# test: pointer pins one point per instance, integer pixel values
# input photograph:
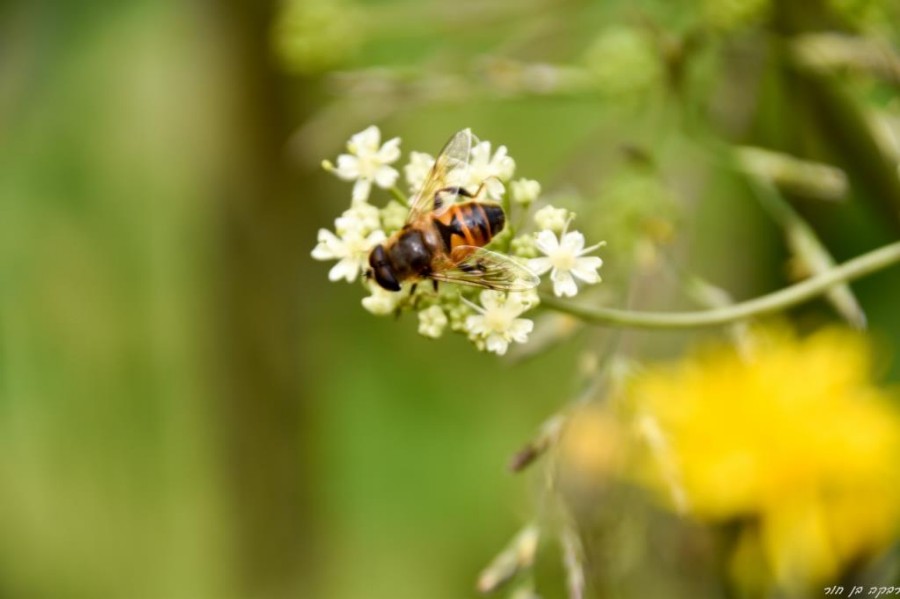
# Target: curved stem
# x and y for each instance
(780, 300)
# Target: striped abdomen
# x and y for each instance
(470, 223)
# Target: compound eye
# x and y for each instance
(377, 258)
(385, 277)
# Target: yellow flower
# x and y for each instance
(794, 441)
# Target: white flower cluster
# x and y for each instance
(491, 319)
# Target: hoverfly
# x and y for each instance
(443, 238)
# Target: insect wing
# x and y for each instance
(451, 169)
(484, 268)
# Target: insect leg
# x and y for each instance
(481, 187)
(439, 202)
(415, 298)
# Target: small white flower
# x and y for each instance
(432, 322)
(382, 301)
(524, 191)
(367, 162)
(351, 250)
(564, 258)
(551, 218)
(393, 216)
(361, 217)
(419, 166)
(497, 322)
(487, 169)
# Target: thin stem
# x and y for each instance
(780, 300)
(399, 195)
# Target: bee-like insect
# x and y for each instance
(443, 239)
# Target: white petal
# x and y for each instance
(323, 252)
(361, 219)
(381, 302)
(503, 165)
(346, 269)
(390, 151)
(526, 300)
(520, 328)
(480, 154)
(385, 177)
(326, 236)
(497, 344)
(417, 169)
(546, 242)
(330, 247)
(494, 188)
(361, 190)
(366, 141)
(475, 325)
(491, 300)
(586, 269)
(563, 283)
(573, 241)
(539, 266)
(374, 238)
(347, 167)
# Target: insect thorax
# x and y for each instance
(410, 254)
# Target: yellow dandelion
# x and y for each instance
(794, 441)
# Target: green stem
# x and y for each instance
(780, 300)
(399, 195)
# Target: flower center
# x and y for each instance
(562, 259)
(368, 164)
(497, 320)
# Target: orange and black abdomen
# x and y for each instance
(470, 223)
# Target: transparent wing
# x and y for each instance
(478, 267)
(450, 170)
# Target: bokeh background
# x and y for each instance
(189, 409)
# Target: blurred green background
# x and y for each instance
(189, 409)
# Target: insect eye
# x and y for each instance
(377, 258)
(385, 277)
